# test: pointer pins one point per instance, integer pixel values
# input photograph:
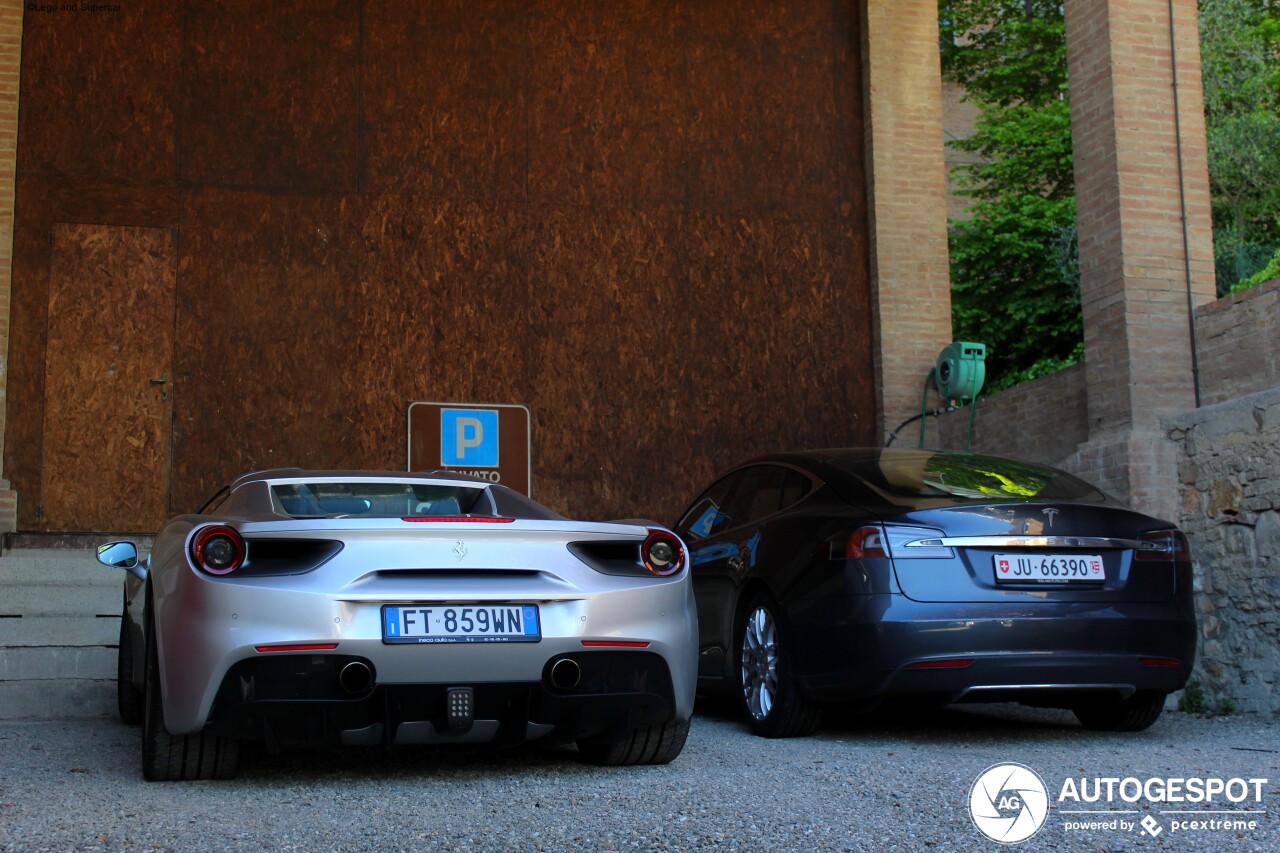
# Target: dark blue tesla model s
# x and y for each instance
(860, 575)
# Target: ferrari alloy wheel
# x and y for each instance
(128, 698)
(658, 744)
(1134, 714)
(178, 758)
(770, 695)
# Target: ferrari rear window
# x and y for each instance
(378, 500)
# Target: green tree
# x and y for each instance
(1240, 62)
(1014, 272)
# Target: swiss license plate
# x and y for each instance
(453, 623)
(1048, 568)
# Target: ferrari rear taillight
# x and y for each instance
(662, 553)
(1163, 545)
(218, 550)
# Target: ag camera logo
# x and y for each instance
(1008, 803)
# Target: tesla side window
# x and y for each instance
(706, 516)
(758, 494)
(795, 486)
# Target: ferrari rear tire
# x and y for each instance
(179, 758)
(128, 697)
(1134, 714)
(658, 744)
(768, 689)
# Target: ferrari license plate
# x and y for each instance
(1048, 568)
(471, 623)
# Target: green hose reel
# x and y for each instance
(960, 371)
(958, 374)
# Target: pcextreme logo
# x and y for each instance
(1009, 803)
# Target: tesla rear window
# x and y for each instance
(966, 477)
(378, 500)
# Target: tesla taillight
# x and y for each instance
(218, 550)
(662, 553)
(866, 542)
(1163, 545)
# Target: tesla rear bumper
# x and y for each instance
(965, 652)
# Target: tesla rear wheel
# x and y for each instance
(768, 688)
(1134, 714)
(658, 744)
(178, 758)
(128, 697)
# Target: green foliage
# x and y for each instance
(1240, 62)
(1014, 270)
(1192, 700)
(1270, 271)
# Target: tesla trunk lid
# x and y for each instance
(1026, 552)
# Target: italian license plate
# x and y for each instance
(450, 623)
(1048, 568)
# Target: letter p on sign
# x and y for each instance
(469, 438)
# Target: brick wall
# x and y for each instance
(1238, 340)
(1040, 421)
(911, 288)
(10, 63)
(1140, 165)
(1229, 477)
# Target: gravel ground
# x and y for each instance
(871, 784)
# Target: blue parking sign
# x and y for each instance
(469, 437)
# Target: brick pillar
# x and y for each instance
(907, 190)
(1133, 183)
(10, 66)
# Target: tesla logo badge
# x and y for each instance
(1049, 514)
(460, 549)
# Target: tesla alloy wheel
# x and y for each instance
(769, 691)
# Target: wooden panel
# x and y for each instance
(29, 306)
(762, 89)
(444, 314)
(99, 91)
(780, 313)
(444, 101)
(106, 431)
(609, 110)
(614, 360)
(266, 360)
(270, 97)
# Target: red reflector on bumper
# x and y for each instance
(299, 647)
(953, 663)
(1160, 662)
(615, 644)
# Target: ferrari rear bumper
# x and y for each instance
(302, 700)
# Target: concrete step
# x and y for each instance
(57, 662)
(85, 630)
(59, 625)
(24, 699)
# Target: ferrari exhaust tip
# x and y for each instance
(356, 678)
(565, 674)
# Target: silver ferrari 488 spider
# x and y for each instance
(303, 608)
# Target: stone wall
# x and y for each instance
(1229, 475)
